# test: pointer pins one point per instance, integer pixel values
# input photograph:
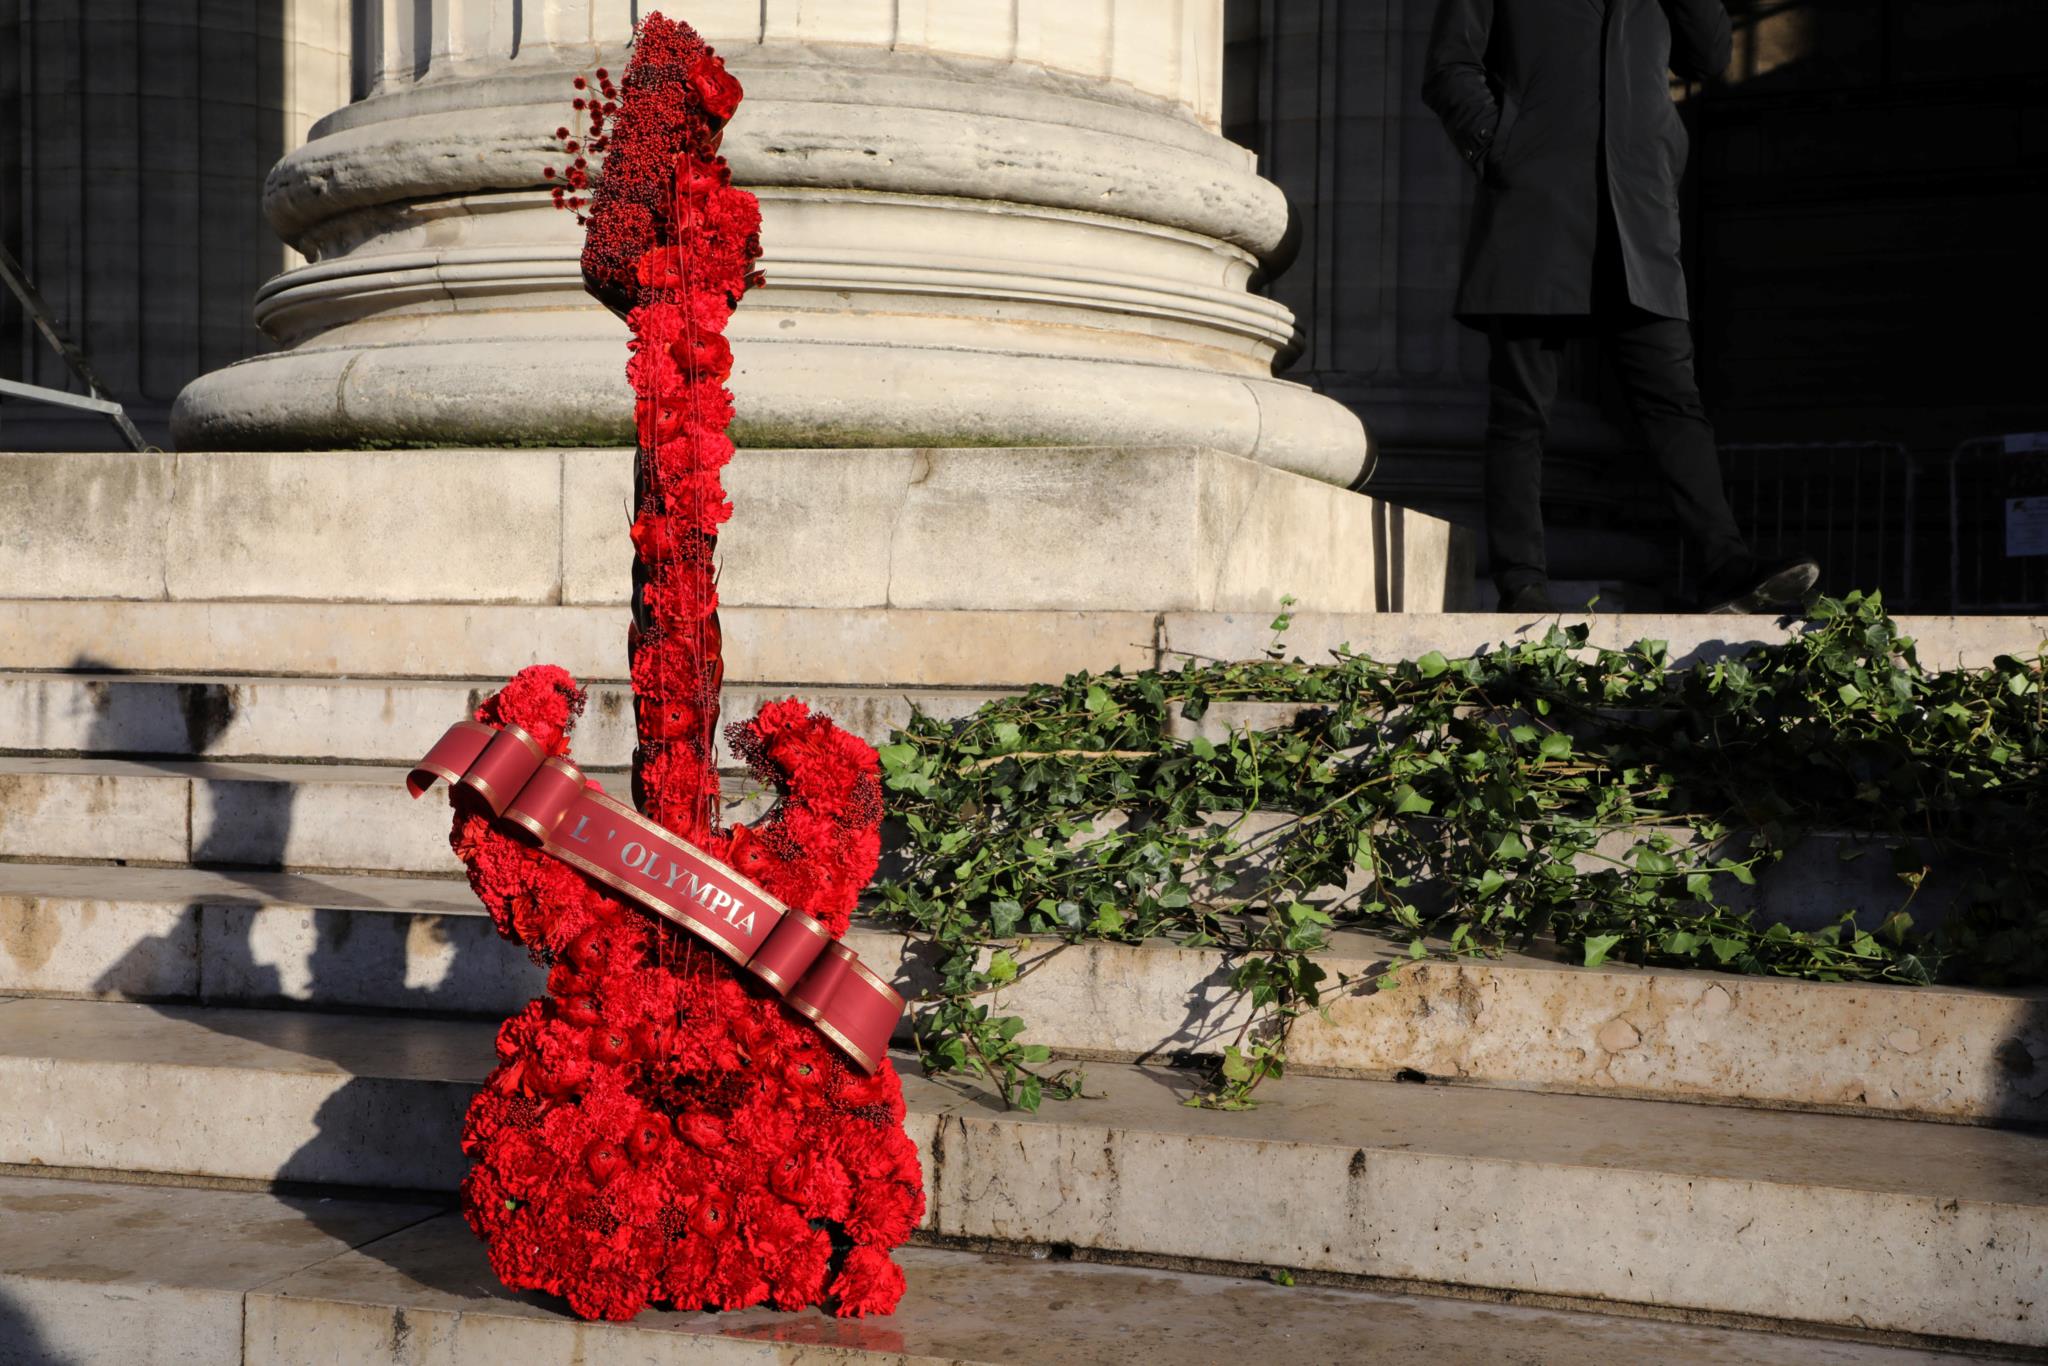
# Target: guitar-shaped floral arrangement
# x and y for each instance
(700, 1112)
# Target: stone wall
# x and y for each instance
(131, 180)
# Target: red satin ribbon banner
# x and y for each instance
(546, 802)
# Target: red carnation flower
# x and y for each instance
(869, 1283)
(716, 87)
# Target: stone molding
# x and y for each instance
(961, 251)
(910, 123)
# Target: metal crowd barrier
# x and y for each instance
(1855, 505)
(1998, 524)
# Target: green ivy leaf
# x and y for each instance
(1597, 946)
(1003, 917)
(1653, 861)
(1681, 943)
(1739, 871)
(1409, 802)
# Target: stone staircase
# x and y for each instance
(244, 998)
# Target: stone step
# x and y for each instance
(829, 647)
(332, 940)
(1524, 1020)
(357, 817)
(235, 1276)
(363, 721)
(1871, 1224)
(327, 817)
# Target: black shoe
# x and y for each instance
(1530, 597)
(1778, 586)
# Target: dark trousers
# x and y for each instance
(1652, 357)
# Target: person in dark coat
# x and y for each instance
(1563, 109)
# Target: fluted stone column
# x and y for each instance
(987, 223)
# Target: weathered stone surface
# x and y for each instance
(453, 961)
(285, 1095)
(145, 949)
(262, 815)
(793, 647)
(188, 716)
(1530, 1022)
(797, 647)
(1044, 230)
(1522, 1021)
(1934, 1229)
(1186, 528)
(322, 817)
(155, 1275)
(390, 526)
(387, 721)
(59, 809)
(255, 938)
(411, 640)
(106, 538)
(963, 1307)
(93, 1271)
(1668, 1205)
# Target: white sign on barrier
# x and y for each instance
(2026, 526)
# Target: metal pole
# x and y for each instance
(16, 280)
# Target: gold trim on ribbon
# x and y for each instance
(448, 776)
(872, 978)
(486, 791)
(526, 822)
(846, 1045)
(525, 737)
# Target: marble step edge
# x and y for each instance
(1937, 1230)
(274, 1280)
(795, 646)
(1521, 1021)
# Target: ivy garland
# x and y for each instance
(1542, 789)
